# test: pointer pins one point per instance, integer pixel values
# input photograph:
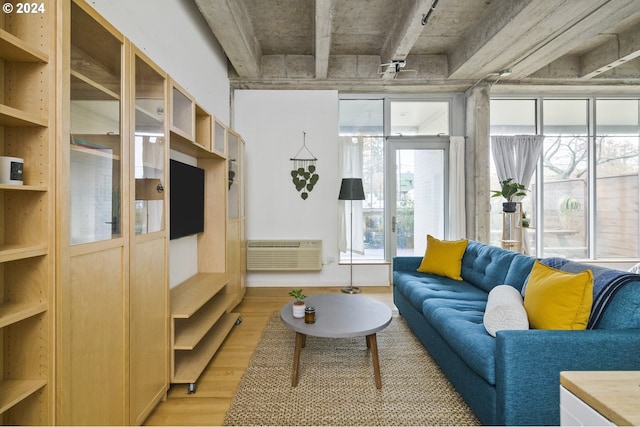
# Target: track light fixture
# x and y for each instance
(425, 17)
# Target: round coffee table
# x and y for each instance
(339, 316)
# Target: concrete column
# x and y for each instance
(477, 152)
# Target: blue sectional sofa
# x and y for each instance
(512, 379)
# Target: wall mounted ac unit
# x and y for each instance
(284, 255)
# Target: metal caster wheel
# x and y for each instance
(191, 388)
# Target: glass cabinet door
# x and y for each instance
(234, 174)
(149, 148)
(96, 143)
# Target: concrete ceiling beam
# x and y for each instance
(324, 19)
(593, 23)
(501, 25)
(404, 34)
(525, 35)
(619, 49)
(230, 24)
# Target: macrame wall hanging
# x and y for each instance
(304, 172)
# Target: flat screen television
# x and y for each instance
(186, 204)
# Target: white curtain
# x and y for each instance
(350, 166)
(516, 156)
(457, 212)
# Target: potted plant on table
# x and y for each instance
(509, 190)
(298, 305)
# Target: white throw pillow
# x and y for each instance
(505, 310)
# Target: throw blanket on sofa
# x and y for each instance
(606, 282)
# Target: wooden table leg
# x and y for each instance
(300, 342)
(372, 344)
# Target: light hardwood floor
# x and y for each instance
(219, 381)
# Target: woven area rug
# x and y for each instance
(336, 384)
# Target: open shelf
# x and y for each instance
(16, 50)
(199, 323)
(13, 392)
(14, 252)
(189, 296)
(11, 187)
(188, 334)
(11, 313)
(188, 365)
(10, 116)
(27, 124)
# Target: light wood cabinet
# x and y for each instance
(207, 317)
(85, 320)
(236, 242)
(148, 290)
(27, 131)
(219, 143)
(93, 222)
(183, 109)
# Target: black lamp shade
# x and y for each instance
(351, 189)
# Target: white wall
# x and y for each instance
(174, 35)
(272, 124)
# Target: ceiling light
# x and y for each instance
(505, 72)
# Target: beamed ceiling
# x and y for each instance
(427, 45)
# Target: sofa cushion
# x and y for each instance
(443, 257)
(416, 287)
(555, 299)
(505, 310)
(459, 323)
(488, 266)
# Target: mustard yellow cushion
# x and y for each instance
(443, 257)
(556, 299)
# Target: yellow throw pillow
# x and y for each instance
(556, 299)
(443, 257)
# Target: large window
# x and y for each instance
(366, 125)
(362, 156)
(586, 191)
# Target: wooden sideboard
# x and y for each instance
(614, 395)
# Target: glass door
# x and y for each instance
(149, 148)
(417, 196)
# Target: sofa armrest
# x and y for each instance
(528, 366)
(406, 263)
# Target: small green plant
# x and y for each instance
(568, 203)
(525, 219)
(509, 190)
(568, 208)
(297, 294)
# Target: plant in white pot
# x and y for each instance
(509, 189)
(298, 305)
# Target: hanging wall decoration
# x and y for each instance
(304, 173)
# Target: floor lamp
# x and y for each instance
(351, 189)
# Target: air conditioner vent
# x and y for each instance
(284, 255)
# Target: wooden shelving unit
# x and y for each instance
(27, 70)
(201, 307)
(199, 324)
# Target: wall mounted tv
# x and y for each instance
(186, 202)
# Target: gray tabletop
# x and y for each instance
(340, 316)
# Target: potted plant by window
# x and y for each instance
(509, 190)
(525, 220)
(298, 305)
